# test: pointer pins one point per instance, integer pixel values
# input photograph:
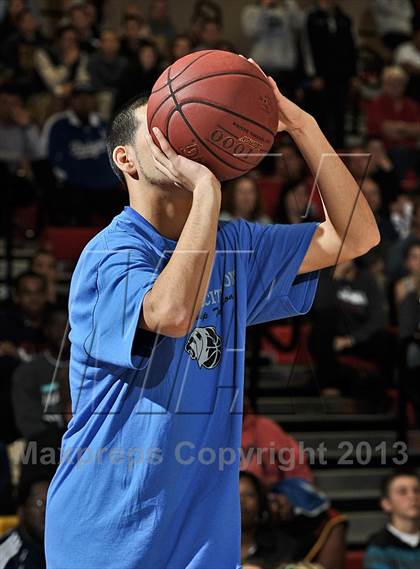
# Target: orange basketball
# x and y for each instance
(217, 108)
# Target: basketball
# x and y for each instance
(217, 108)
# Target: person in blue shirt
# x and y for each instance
(159, 304)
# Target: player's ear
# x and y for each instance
(123, 160)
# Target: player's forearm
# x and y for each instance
(346, 209)
(180, 289)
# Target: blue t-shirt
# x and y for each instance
(148, 477)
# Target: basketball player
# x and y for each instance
(159, 303)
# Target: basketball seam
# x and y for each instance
(183, 70)
(179, 109)
(211, 104)
(219, 74)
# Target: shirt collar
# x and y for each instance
(141, 224)
(411, 539)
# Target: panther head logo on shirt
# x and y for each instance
(204, 345)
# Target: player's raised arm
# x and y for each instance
(350, 229)
(173, 303)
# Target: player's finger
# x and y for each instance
(164, 144)
(256, 65)
(276, 90)
(165, 172)
(158, 155)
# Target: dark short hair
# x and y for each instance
(122, 128)
(29, 275)
(27, 481)
(388, 480)
(263, 507)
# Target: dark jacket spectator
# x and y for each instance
(398, 543)
(348, 319)
(329, 32)
(36, 385)
(141, 75)
(74, 142)
(18, 54)
(262, 544)
(106, 66)
(63, 64)
(23, 547)
(21, 336)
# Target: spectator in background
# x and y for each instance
(373, 195)
(82, 24)
(36, 385)
(63, 64)
(393, 20)
(397, 253)
(21, 335)
(407, 56)
(106, 67)
(8, 26)
(209, 35)
(74, 142)
(330, 31)
(262, 545)
(19, 137)
(44, 263)
(293, 205)
(398, 543)
(241, 199)
(381, 169)
(395, 118)
(22, 320)
(140, 76)
(204, 10)
(6, 491)
(161, 25)
(18, 53)
(349, 319)
(134, 31)
(273, 26)
(23, 547)
(296, 506)
(181, 46)
(407, 301)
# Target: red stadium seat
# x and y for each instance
(354, 560)
(66, 243)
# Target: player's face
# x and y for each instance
(143, 156)
(403, 498)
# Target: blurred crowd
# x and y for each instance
(62, 77)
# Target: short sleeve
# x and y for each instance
(274, 288)
(122, 280)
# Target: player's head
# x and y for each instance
(401, 495)
(128, 149)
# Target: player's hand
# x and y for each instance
(182, 172)
(291, 117)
